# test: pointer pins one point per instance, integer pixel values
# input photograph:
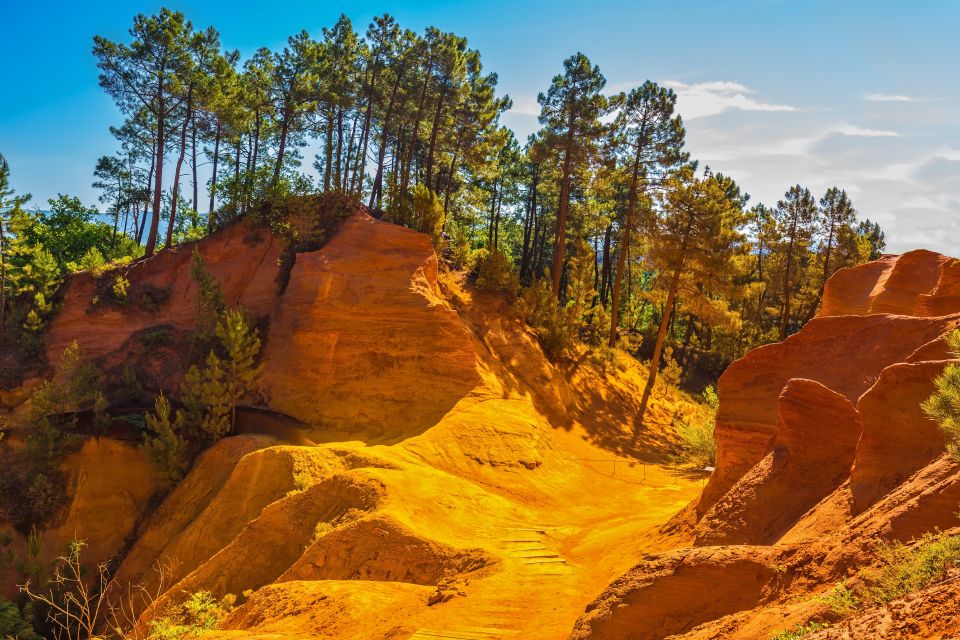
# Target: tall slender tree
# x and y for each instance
(649, 139)
(570, 114)
(147, 74)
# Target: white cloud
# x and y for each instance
(888, 97)
(847, 129)
(946, 153)
(711, 98)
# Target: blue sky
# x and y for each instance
(864, 95)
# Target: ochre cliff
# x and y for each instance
(416, 467)
(822, 452)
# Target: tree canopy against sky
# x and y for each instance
(410, 123)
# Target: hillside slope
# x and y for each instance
(441, 478)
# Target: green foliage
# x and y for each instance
(210, 303)
(697, 446)
(495, 272)
(210, 395)
(38, 489)
(120, 288)
(944, 405)
(427, 212)
(842, 600)
(800, 631)
(16, 624)
(458, 246)
(553, 324)
(200, 612)
(156, 336)
(909, 568)
(163, 443)
(91, 260)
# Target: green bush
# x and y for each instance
(427, 212)
(905, 569)
(15, 623)
(163, 444)
(944, 405)
(800, 631)
(199, 613)
(495, 272)
(554, 325)
(210, 395)
(842, 600)
(697, 446)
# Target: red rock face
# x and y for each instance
(918, 283)
(361, 328)
(898, 439)
(845, 354)
(795, 475)
(822, 451)
(241, 258)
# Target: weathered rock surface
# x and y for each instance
(843, 353)
(361, 328)
(822, 452)
(798, 472)
(898, 438)
(243, 259)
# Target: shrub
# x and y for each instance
(427, 212)
(156, 336)
(200, 612)
(210, 395)
(15, 623)
(458, 247)
(944, 405)
(800, 631)
(553, 324)
(210, 303)
(73, 600)
(495, 272)
(120, 288)
(39, 489)
(162, 442)
(905, 569)
(842, 601)
(697, 446)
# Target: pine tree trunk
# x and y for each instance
(284, 130)
(3, 280)
(193, 162)
(337, 174)
(328, 153)
(658, 346)
(155, 220)
(176, 175)
(428, 171)
(213, 178)
(560, 238)
(785, 313)
(624, 247)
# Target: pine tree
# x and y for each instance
(649, 138)
(795, 216)
(241, 344)
(570, 113)
(163, 443)
(693, 236)
(944, 405)
(145, 75)
(10, 204)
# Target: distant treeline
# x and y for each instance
(603, 205)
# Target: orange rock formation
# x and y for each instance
(822, 452)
